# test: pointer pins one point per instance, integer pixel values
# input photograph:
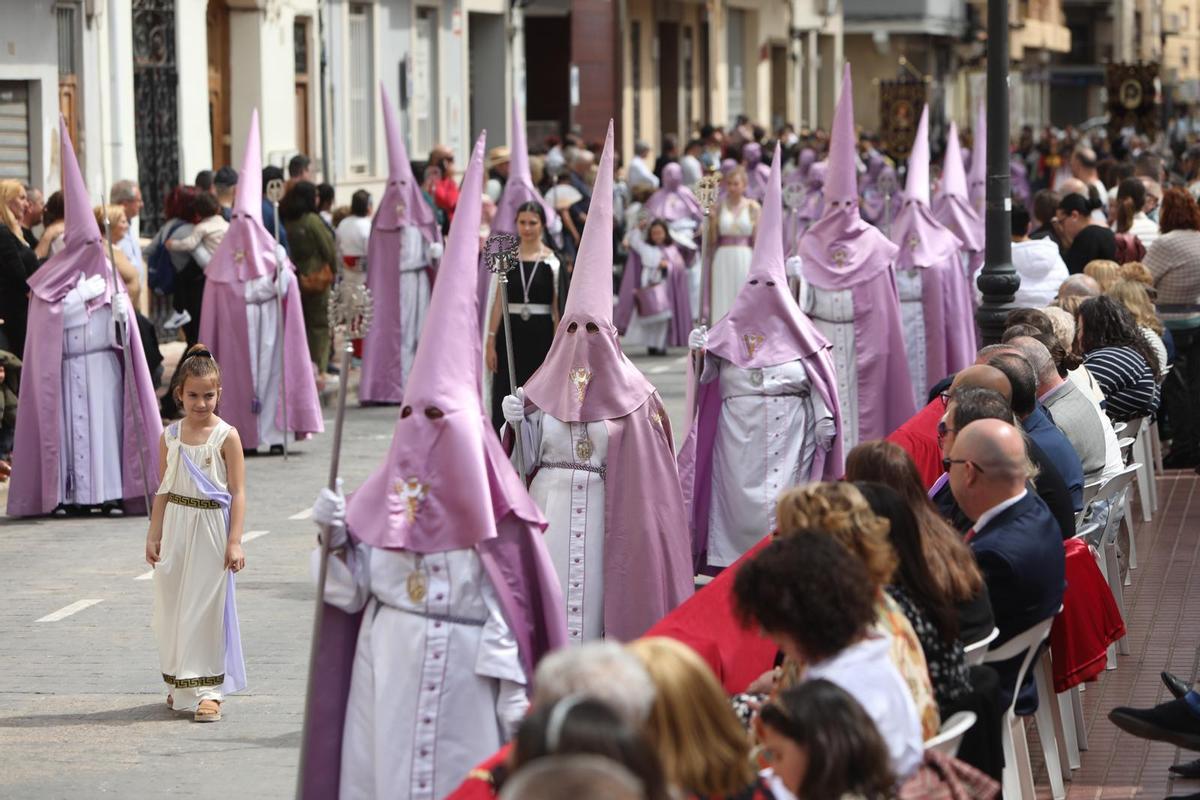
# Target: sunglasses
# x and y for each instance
(946, 462)
(943, 429)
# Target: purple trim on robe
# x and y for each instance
(223, 328)
(647, 562)
(333, 668)
(383, 375)
(34, 487)
(235, 664)
(677, 282)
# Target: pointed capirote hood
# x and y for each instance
(585, 376)
(519, 187)
(248, 250)
(841, 184)
(923, 241)
(249, 190)
(841, 249)
(402, 203)
(84, 247)
(977, 176)
(916, 184)
(673, 201)
(952, 204)
(765, 327)
(443, 485)
(954, 177)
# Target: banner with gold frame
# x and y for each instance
(900, 104)
(1132, 97)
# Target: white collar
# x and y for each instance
(996, 510)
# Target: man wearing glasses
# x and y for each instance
(1015, 538)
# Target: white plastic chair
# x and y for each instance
(1147, 491)
(976, 651)
(949, 737)
(1126, 444)
(1115, 492)
(1018, 771)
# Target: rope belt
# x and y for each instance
(447, 618)
(192, 502)
(532, 308)
(89, 352)
(733, 240)
(572, 465)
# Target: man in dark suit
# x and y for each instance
(1015, 539)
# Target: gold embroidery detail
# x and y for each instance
(413, 492)
(417, 588)
(583, 449)
(656, 417)
(913, 242)
(581, 377)
(193, 683)
(239, 255)
(839, 257)
(400, 208)
(752, 342)
(192, 502)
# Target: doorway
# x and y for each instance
(779, 83)
(668, 79)
(218, 82)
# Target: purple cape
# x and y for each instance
(223, 329)
(677, 280)
(674, 201)
(35, 485)
(383, 377)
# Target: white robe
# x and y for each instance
(90, 433)
(263, 333)
(190, 580)
(648, 331)
(912, 322)
(430, 697)
(414, 292)
(765, 441)
(832, 312)
(572, 501)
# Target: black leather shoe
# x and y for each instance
(1174, 685)
(1171, 722)
(1190, 770)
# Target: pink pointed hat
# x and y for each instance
(439, 488)
(765, 327)
(977, 177)
(84, 248)
(519, 188)
(586, 377)
(952, 204)
(923, 241)
(841, 249)
(402, 203)
(841, 184)
(248, 250)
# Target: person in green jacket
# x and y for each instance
(315, 257)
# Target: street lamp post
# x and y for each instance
(998, 281)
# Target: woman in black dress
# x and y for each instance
(533, 308)
(17, 262)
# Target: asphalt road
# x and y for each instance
(82, 704)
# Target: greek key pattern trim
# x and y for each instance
(193, 683)
(192, 502)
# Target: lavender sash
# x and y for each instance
(235, 665)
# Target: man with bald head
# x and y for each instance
(1015, 538)
(1079, 285)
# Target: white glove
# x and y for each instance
(435, 250)
(90, 288)
(120, 308)
(793, 267)
(329, 511)
(513, 407)
(281, 255)
(285, 278)
(698, 338)
(825, 432)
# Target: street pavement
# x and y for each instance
(82, 704)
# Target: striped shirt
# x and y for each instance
(1174, 261)
(1127, 381)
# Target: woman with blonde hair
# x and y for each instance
(1136, 299)
(1104, 272)
(1137, 271)
(735, 222)
(703, 749)
(118, 228)
(17, 262)
(840, 510)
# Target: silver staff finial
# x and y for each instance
(350, 309)
(706, 191)
(274, 190)
(501, 252)
(793, 196)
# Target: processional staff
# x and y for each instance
(275, 194)
(501, 253)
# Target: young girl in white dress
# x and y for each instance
(195, 542)
(736, 220)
